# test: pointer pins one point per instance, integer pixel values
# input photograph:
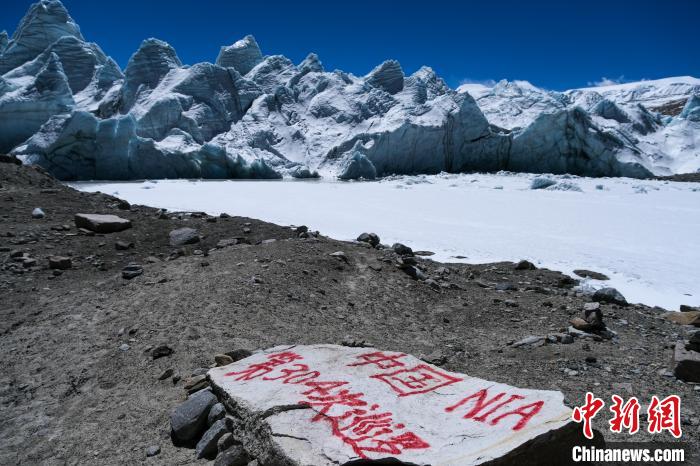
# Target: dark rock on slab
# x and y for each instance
(60, 263)
(687, 364)
(233, 456)
(183, 236)
(609, 295)
(583, 273)
(101, 223)
(189, 420)
(206, 447)
(370, 238)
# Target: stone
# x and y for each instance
(183, 236)
(123, 245)
(233, 456)
(446, 419)
(124, 347)
(189, 420)
(542, 183)
(222, 359)
(686, 308)
(60, 263)
(525, 265)
(161, 351)
(532, 340)
(583, 273)
(153, 450)
(38, 213)
(402, 249)
(687, 363)
(609, 295)
(413, 272)
(684, 318)
(506, 286)
(340, 255)
(239, 353)
(166, 374)
(226, 441)
(206, 447)
(591, 306)
(370, 238)
(216, 413)
(132, 271)
(99, 223)
(224, 243)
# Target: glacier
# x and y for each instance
(68, 107)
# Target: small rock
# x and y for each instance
(189, 420)
(59, 263)
(217, 412)
(233, 456)
(583, 273)
(167, 373)
(222, 359)
(161, 351)
(609, 295)
(153, 450)
(123, 245)
(246, 230)
(183, 236)
(38, 213)
(124, 347)
(101, 223)
(566, 339)
(206, 447)
(370, 238)
(340, 255)
(132, 271)
(687, 363)
(413, 272)
(531, 340)
(506, 286)
(239, 354)
(591, 306)
(402, 249)
(226, 441)
(525, 265)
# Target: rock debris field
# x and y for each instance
(106, 332)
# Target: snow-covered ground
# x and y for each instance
(643, 234)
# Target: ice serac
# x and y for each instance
(242, 56)
(151, 62)
(332, 405)
(24, 108)
(45, 22)
(3, 41)
(387, 76)
(691, 111)
(569, 142)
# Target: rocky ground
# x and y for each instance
(79, 383)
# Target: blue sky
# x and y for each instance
(553, 44)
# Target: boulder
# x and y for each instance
(328, 405)
(233, 456)
(38, 213)
(609, 295)
(684, 318)
(59, 263)
(216, 413)
(370, 238)
(183, 236)
(525, 265)
(189, 420)
(99, 223)
(687, 363)
(402, 249)
(583, 273)
(206, 447)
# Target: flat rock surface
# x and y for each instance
(102, 223)
(334, 404)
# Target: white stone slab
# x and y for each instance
(327, 405)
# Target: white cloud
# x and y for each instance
(607, 81)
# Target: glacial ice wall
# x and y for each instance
(67, 106)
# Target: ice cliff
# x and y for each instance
(67, 106)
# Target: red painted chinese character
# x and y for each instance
(327, 402)
(395, 445)
(665, 415)
(256, 370)
(587, 412)
(419, 379)
(626, 415)
(379, 359)
(299, 374)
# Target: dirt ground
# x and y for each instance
(71, 393)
